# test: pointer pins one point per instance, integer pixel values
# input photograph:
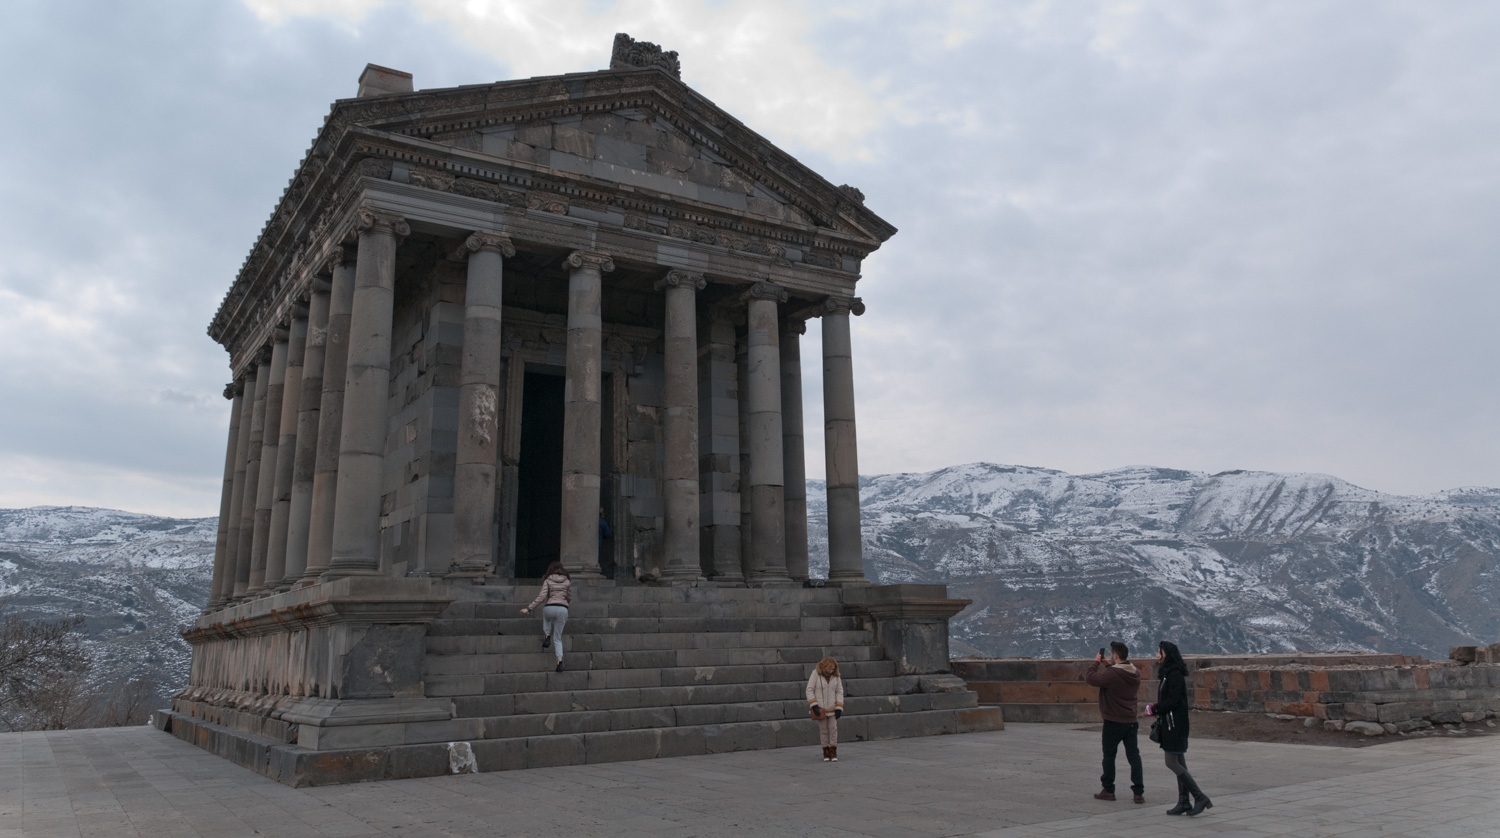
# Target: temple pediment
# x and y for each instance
(635, 127)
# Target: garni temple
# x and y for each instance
(555, 319)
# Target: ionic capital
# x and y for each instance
(679, 279)
(337, 257)
(374, 221)
(766, 291)
(492, 242)
(794, 326)
(233, 388)
(853, 305)
(589, 259)
(263, 356)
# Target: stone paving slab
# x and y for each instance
(1029, 780)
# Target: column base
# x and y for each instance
(474, 576)
(846, 582)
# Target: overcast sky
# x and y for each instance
(1199, 235)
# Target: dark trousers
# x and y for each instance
(1114, 734)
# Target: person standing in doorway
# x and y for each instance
(1171, 710)
(556, 594)
(1119, 682)
(825, 699)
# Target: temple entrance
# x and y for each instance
(539, 475)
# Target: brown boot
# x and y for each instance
(833, 755)
(826, 757)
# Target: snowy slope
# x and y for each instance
(137, 579)
(1238, 561)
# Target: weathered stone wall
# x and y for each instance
(422, 431)
(1053, 690)
(1394, 698)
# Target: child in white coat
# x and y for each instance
(825, 697)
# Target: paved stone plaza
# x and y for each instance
(1026, 780)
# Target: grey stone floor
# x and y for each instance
(1026, 780)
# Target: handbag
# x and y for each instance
(1155, 734)
(816, 713)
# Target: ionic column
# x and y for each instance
(478, 407)
(304, 460)
(243, 557)
(793, 455)
(845, 554)
(763, 426)
(330, 416)
(233, 392)
(233, 550)
(265, 496)
(580, 477)
(367, 382)
(680, 431)
(286, 454)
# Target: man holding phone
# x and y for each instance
(1118, 681)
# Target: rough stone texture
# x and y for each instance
(1406, 693)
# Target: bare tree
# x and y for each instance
(43, 673)
(128, 703)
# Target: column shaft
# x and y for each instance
(478, 408)
(763, 425)
(265, 496)
(286, 454)
(793, 454)
(680, 431)
(245, 557)
(581, 413)
(330, 418)
(304, 461)
(367, 381)
(246, 407)
(845, 553)
(221, 543)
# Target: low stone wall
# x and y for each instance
(1053, 690)
(1364, 698)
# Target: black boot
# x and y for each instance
(1200, 800)
(1183, 804)
(546, 640)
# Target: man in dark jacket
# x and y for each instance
(1118, 681)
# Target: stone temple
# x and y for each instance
(482, 319)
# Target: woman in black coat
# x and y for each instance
(1171, 710)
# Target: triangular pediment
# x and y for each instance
(638, 128)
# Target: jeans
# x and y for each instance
(554, 617)
(1114, 734)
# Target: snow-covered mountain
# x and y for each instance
(136, 579)
(1056, 564)
(1240, 561)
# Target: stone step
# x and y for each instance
(495, 665)
(623, 610)
(300, 766)
(609, 690)
(532, 625)
(519, 595)
(686, 715)
(541, 662)
(1052, 712)
(471, 644)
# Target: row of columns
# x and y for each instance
(301, 498)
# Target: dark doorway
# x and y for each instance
(539, 475)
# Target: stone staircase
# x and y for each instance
(670, 672)
(650, 671)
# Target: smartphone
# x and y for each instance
(1101, 651)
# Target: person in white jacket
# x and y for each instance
(556, 594)
(825, 697)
